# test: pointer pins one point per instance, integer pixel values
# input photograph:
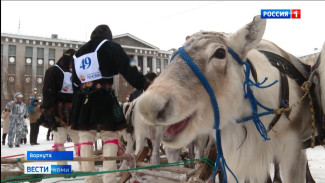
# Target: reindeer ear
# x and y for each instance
(248, 37)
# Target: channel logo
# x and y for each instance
(281, 13)
(47, 169)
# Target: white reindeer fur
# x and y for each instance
(177, 93)
(321, 72)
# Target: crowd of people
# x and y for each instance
(79, 101)
(15, 124)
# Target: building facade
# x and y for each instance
(24, 60)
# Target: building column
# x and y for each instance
(46, 59)
(4, 69)
(154, 65)
(145, 65)
(34, 66)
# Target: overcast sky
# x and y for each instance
(165, 24)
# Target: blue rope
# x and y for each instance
(220, 162)
(254, 116)
(248, 93)
(173, 56)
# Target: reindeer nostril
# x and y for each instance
(161, 115)
(164, 112)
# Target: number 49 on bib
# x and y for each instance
(85, 63)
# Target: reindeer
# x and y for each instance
(137, 133)
(178, 102)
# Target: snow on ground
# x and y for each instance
(316, 156)
(316, 161)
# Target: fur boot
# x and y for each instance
(60, 137)
(88, 151)
(109, 149)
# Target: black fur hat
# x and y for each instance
(102, 31)
(66, 59)
(69, 53)
(151, 76)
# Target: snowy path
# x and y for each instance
(316, 156)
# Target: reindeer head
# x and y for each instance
(178, 100)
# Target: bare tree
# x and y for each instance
(7, 89)
(26, 87)
(124, 89)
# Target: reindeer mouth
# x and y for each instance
(173, 130)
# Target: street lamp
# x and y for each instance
(35, 92)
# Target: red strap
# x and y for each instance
(114, 141)
(83, 143)
(55, 146)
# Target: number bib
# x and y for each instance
(67, 82)
(87, 66)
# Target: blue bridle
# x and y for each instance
(220, 161)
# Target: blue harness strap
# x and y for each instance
(250, 95)
(220, 161)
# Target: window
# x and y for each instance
(12, 59)
(149, 65)
(28, 60)
(29, 52)
(40, 62)
(28, 69)
(51, 54)
(158, 63)
(11, 68)
(140, 63)
(12, 50)
(39, 70)
(165, 63)
(40, 53)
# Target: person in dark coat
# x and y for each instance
(95, 106)
(149, 79)
(34, 112)
(57, 101)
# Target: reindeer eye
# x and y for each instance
(220, 53)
